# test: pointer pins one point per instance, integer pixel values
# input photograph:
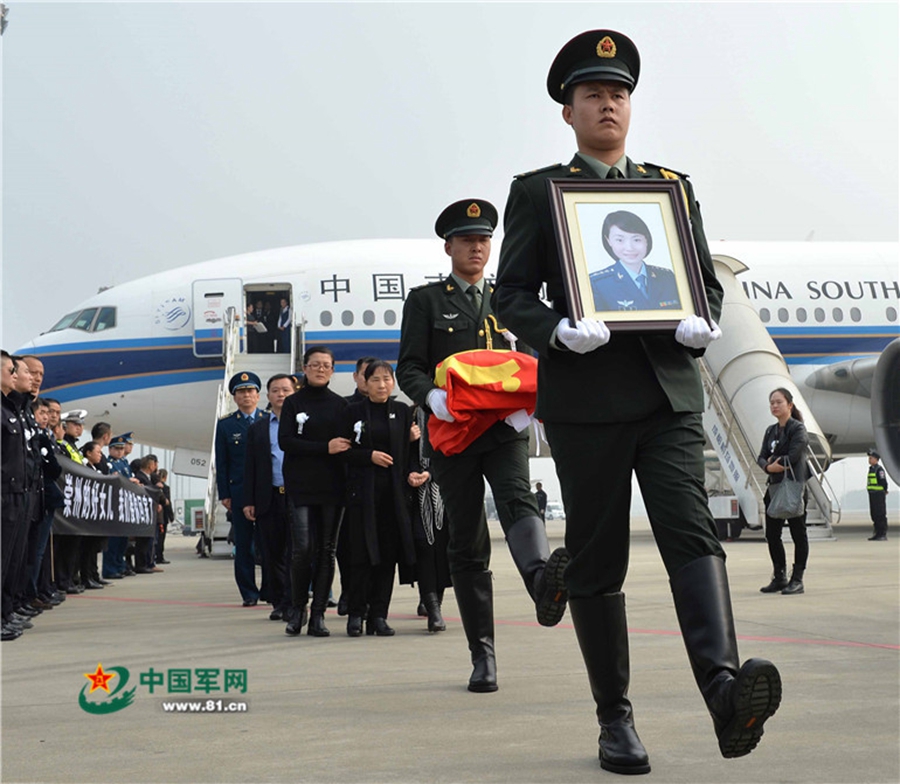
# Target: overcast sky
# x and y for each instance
(141, 137)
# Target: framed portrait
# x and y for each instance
(628, 255)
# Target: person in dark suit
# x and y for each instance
(630, 283)
(309, 434)
(440, 319)
(541, 497)
(264, 496)
(231, 452)
(623, 404)
(379, 530)
(284, 327)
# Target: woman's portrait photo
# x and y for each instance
(630, 283)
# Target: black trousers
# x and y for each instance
(314, 532)
(13, 531)
(595, 463)
(275, 538)
(461, 479)
(878, 512)
(774, 528)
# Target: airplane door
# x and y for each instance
(212, 298)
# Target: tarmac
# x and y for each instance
(379, 709)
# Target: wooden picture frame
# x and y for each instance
(647, 222)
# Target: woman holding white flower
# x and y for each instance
(309, 435)
(379, 531)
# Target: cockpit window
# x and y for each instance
(85, 319)
(65, 322)
(106, 319)
(88, 319)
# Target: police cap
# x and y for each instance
(469, 216)
(873, 453)
(244, 380)
(594, 56)
(76, 416)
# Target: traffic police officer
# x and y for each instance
(616, 405)
(231, 450)
(440, 319)
(877, 487)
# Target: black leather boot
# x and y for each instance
(475, 597)
(378, 626)
(541, 570)
(740, 698)
(602, 633)
(354, 626)
(317, 626)
(296, 619)
(433, 611)
(779, 581)
(796, 583)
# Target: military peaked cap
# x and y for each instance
(469, 216)
(597, 55)
(244, 380)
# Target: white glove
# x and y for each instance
(436, 400)
(694, 332)
(585, 336)
(509, 337)
(518, 420)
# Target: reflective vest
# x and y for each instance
(874, 484)
(71, 451)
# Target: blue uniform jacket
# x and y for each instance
(231, 452)
(614, 289)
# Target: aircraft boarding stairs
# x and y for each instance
(739, 372)
(237, 359)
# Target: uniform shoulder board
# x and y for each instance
(603, 273)
(430, 284)
(668, 174)
(660, 271)
(539, 171)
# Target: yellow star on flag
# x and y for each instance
(99, 679)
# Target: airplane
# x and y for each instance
(147, 355)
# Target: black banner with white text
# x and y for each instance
(98, 505)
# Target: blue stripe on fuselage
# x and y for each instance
(85, 369)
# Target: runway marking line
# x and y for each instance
(402, 617)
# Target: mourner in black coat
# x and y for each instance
(314, 482)
(380, 531)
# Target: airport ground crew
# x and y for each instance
(440, 319)
(876, 485)
(623, 403)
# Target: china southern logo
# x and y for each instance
(99, 681)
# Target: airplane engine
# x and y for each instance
(886, 408)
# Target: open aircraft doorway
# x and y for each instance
(267, 316)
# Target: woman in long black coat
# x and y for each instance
(377, 516)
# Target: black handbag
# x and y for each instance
(786, 498)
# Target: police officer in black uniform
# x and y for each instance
(876, 485)
(440, 319)
(622, 404)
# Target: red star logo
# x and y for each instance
(606, 45)
(99, 679)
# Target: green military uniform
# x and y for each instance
(600, 408)
(631, 405)
(441, 319)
